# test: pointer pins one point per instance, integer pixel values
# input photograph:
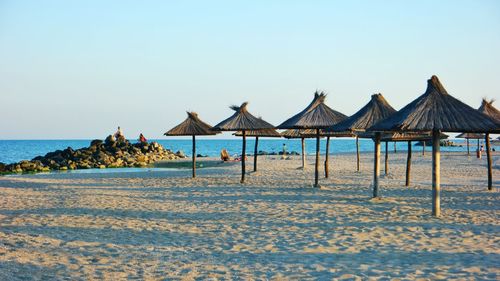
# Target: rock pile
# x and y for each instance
(109, 153)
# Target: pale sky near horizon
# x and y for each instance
(78, 69)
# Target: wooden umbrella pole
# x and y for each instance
(478, 153)
(327, 152)
(386, 158)
(436, 177)
(468, 149)
(303, 153)
(357, 153)
(488, 157)
(395, 150)
(408, 164)
(255, 154)
(376, 165)
(316, 165)
(194, 156)
(243, 156)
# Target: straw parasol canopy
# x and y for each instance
(377, 109)
(302, 135)
(488, 109)
(242, 121)
(308, 133)
(317, 115)
(470, 136)
(192, 126)
(405, 137)
(402, 136)
(311, 133)
(434, 111)
(410, 136)
(268, 133)
(297, 134)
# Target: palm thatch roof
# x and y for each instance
(191, 126)
(342, 134)
(399, 136)
(488, 109)
(437, 110)
(311, 133)
(473, 136)
(297, 134)
(377, 109)
(242, 120)
(317, 115)
(270, 133)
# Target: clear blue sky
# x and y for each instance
(77, 69)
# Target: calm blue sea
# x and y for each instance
(17, 150)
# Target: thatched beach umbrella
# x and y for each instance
(329, 135)
(192, 126)
(302, 135)
(488, 109)
(317, 115)
(376, 110)
(311, 133)
(242, 121)
(470, 136)
(435, 111)
(407, 137)
(267, 133)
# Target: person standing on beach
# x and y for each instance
(284, 151)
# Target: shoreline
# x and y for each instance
(183, 164)
(15, 151)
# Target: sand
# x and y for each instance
(162, 225)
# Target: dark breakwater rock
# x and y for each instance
(109, 153)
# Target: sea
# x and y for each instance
(16, 150)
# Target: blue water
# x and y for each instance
(17, 150)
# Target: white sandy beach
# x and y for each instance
(165, 225)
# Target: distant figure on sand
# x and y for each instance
(224, 156)
(284, 152)
(142, 138)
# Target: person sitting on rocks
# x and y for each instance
(119, 133)
(120, 138)
(142, 138)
